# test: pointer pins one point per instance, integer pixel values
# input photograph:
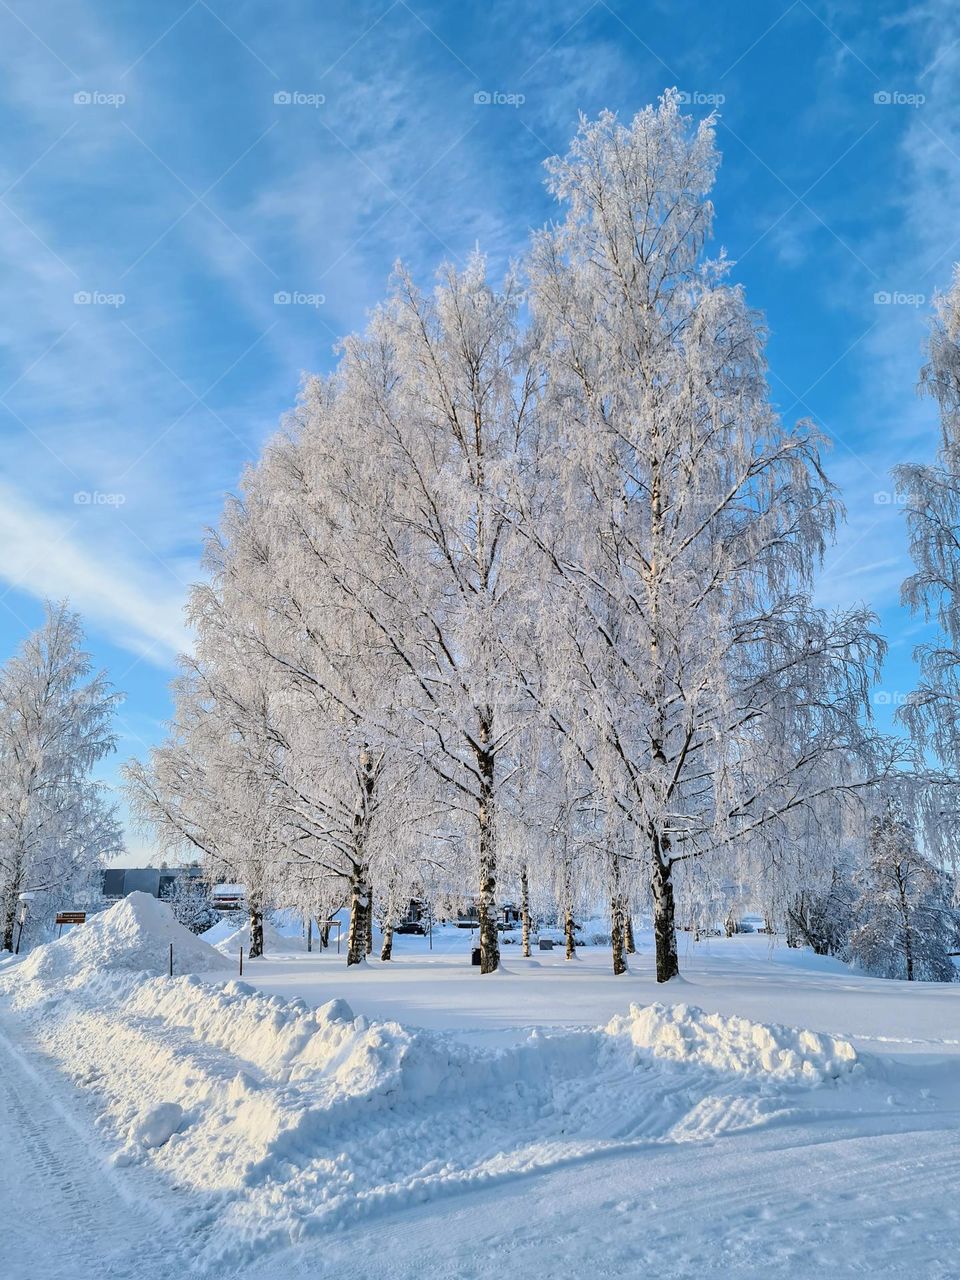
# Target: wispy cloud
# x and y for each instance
(50, 558)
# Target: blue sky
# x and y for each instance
(158, 192)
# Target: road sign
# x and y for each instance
(71, 917)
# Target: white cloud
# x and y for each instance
(47, 558)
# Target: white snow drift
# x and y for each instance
(274, 942)
(685, 1034)
(135, 934)
(286, 1121)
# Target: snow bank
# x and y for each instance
(285, 1121)
(135, 934)
(274, 942)
(683, 1033)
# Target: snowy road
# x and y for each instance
(842, 1205)
(63, 1212)
(792, 1201)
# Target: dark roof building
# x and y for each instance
(117, 882)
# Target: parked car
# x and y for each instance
(420, 927)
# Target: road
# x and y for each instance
(64, 1212)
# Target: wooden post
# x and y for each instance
(241, 962)
(170, 972)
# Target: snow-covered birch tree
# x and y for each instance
(210, 787)
(56, 825)
(932, 497)
(286, 565)
(703, 692)
(442, 395)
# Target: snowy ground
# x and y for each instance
(417, 1119)
(751, 975)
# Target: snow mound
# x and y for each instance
(684, 1033)
(295, 1121)
(158, 1124)
(135, 934)
(274, 942)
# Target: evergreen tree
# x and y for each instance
(190, 901)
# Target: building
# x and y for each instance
(118, 882)
(229, 897)
(468, 917)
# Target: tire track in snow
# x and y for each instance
(63, 1210)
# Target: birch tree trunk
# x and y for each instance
(487, 897)
(386, 950)
(256, 932)
(11, 897)
(359, 920)
(907, 930)
(524, 912)
(568, 934)
(360, 935)
(9, 918)
(616, 936)
(664, 914)
(628, 931)
(616, 914)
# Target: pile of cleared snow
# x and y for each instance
(286, 1121)
(135, 934)
(222, 929)
(274, 942)
(683, 1033)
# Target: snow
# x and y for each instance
(134, 934)
(274, 942)
(159, 1124)
(682, 1033)
(561, 1114)
(299, 1120)
(750, 975)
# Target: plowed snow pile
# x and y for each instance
(274, 942)
(135, 934)
(685, 1034)
(286, 1121)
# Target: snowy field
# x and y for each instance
(416, 1119)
